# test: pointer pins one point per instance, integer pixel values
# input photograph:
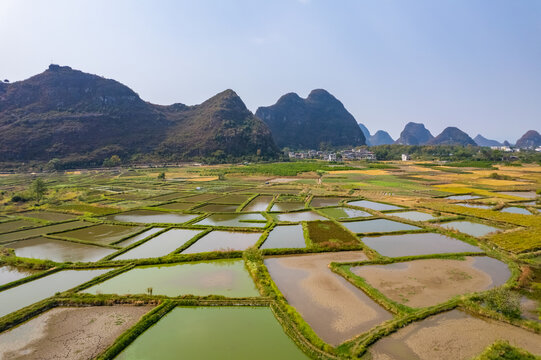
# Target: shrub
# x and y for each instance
(503, 301)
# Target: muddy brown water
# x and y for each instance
(10, 273)
(69, 333)
(335, 309)
(453, 335)
(260, 203)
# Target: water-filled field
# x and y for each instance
(286, 236)
(234, 220)
(28, 293)
(341, 213)
(470, 228)
(417, 244)
(217, 277)
(42, 230)
(260, 203)
(223, 241)
(159, 245)
(48, 215)
(333, 307)
(378, 226)
(299, 216)
(287, 206)
(58, 250)
(414, 215)
(102, 234)
(374, 205)
(187, 330)
(151, 216)
(12, 273)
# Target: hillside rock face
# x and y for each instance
(380, 138)
(365, 131)
(531, 139)
(452, 136)
(482, 141)
(414, 134)
(68, 113)
(309, 123)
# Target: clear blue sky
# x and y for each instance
(475, 64)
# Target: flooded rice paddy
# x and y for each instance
(477, 206)
(453, 335)
(139, 237)
(378, 226)
(341, 213)
(260, 203)
(414, 215)
(187, 331)
(218, 277)
(428, 282)
(470, 228)
(335, 309)
(516, 210)
(463, 197)
(10, 273)
(287, 206)
(417, 244)
(69, 333)
(216, 208)
(374, 205)
(151, 216)
(48, 215)
(102, 234)
(522, 194)
(176, 206)
(160, 245)
(299, 216)
(28, 293)
(43, 230)
(325, 201)
(232, 199)
(16, 225)
(58, 250)
(234, 220)
(286, 236)
(223, 241)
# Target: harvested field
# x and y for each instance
(69, 333)
(335, 309)
(452, 335)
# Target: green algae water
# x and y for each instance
(214, 333)
(218, 277)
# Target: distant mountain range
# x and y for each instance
(319, 120)
(84, 119)
(65, 113)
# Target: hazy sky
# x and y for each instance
(475, 64)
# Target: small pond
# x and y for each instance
(522, 194)
(139, 237)
(463, 197)
(477, 206)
